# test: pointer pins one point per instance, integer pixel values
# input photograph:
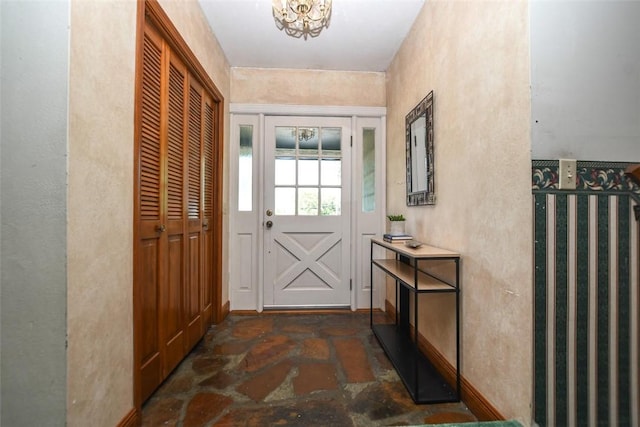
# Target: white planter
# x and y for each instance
(396, 227)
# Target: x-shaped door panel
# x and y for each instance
(293, 260)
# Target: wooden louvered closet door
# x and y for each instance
(149, 265)
(173, 286)
(173, 266)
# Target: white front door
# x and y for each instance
(306, 218)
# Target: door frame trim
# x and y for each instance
(307, 110)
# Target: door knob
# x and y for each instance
(269, 224)
(269, 212)
(160, 228)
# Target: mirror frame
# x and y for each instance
(427, 196)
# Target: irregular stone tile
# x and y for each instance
(161, 412)
(353, 358)
(199, 350)
(204, 407)
(313, 377)
(295, 328)
(229, 348)
(214, 335)
(272, 349)
(220, 380)
(303, 414)
(340, 331)
(260, 385)
(315, 348)
(383, 361)
(253, 328)
(283, 392)
(384, 318)
(449, 417)
(383, 400)
(207, 365)
(178, 382)
(373, 341)
(355, 321)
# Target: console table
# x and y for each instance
(409, 269)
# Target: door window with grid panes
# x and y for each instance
(308, 171)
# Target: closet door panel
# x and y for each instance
(150, 362)
(193, 301)
(150, 272)
(172, 294)
(172, 318)
(194, 222)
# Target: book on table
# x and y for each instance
(392, 237)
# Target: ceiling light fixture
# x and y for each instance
(305, 134)
(302, 18)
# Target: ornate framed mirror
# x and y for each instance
(420, 167)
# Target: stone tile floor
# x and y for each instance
(290, 370)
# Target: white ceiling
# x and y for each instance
(363, 35)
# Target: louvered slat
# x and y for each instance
(150, 133)
(174, 144)
(195, 129)
(208, 159)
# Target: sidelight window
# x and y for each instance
(368, 170)
(245, 169)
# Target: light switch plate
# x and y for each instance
(567, 174)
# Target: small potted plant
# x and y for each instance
(396, 224)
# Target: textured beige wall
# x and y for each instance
(307, 87)
(100, 212)
(475, 56)
(100, 201)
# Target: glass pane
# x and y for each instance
(331, 172)
(245, 169)
(368, 170)
(307, 172)
(285, 141)
(307, 201)
(330, 201)
(285, 201)
(285, 173)
(308, 141)
(331, 142)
